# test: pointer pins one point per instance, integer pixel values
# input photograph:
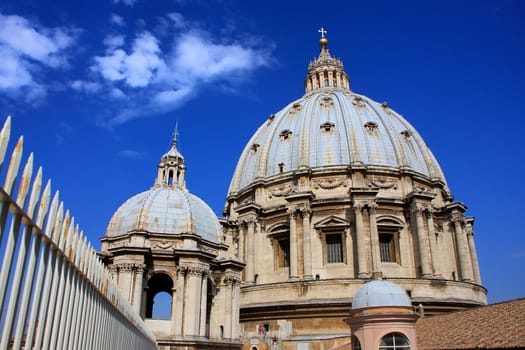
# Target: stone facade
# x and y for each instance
(332, 191)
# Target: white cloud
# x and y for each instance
(518, 255)
(155, 80)
(86, 86)
(116, 93)
(39, 44)
(130, 154)
(198, 58)
(13, 73)
(125, 2)
(28, 49)
(137, 68)
(177, 19)
(116, 19)
(113, 41)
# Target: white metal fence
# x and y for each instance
(54, 291)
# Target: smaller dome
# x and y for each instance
(164, 210)
(168, 207)
(380, 293)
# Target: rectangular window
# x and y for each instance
(334, 248)
(387, 247)
(283, 255)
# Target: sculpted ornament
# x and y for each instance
(327, 102)
(194, 269)
(358, 101)
(281, 191)
(231, 278)
(162, 244)
(330, 182)
(381, 182)
(457, 218)
(295, 108)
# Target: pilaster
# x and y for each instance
(306, 213)
(292, 212)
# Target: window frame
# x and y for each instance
(331, 226)
(327, 251)
(278, 235)
(387, 227)
(395, 346)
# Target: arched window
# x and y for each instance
(394, 341)
(356, 344)
(159, 296)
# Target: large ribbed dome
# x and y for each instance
(329, 126)
(168, 207)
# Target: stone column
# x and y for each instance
(177, 317)
(331, 79)
(193, 301)
(250, 253)
(125, 280)
(137, 289)
(434, 251)
(338, 78)
(363, 249)
(473, 253)
(422, 239)
(465, 262)
(236, 297)
(349, 249)
(293, 243)
(204, 305)
(228, 285)
(240, 249)
(174, 307)
(114, 272)
(306, 212)
(257, 254)
(374, 240)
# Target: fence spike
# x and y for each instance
(57, 224)
(80, 256)
(14, 165)
(4, 139)
(34, 194)
(44, 204)
(74, 246)
(62, 234)
(23, 188)
(69, 236)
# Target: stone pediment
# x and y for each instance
(332, 222)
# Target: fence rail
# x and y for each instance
(54, 291)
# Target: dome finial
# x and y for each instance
(324, 41)
(175, 133)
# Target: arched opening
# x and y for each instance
(170, 177)
(209, 303)
(394, 341)
(356, 344)
(159, 296)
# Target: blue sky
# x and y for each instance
(96, 88)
